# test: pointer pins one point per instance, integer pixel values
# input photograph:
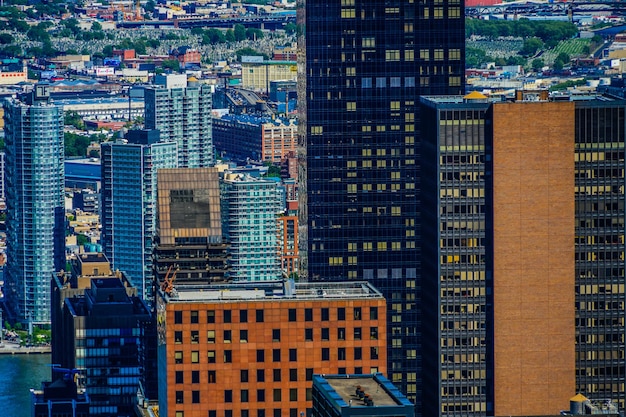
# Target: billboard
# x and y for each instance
(104, 71)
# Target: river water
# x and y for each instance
(18, 374)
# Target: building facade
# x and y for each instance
(252, 349)
(365, 65)
(250, 207)
(35, 203)
(506, 194)
(181, 111)
(129, 184)
(189, 230)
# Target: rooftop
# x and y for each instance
(271, 291)
(346, 388)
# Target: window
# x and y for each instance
(243, 316)
(243, 336)
(178, 338)
(260, 355)
(277, 375)
(228, 413)
(178, 356)
(179, 414)
(292, 314)
(358, 354)
(357, 333)
(308, 335)
(373, 313)
(228, 396)
(194, 317)
(308, 314)
(278, 412)
(179, 377)
(259, 316)
(244, 375)
(210, 316)
(276, 355)
(293, 355)
(260, 395)
(277, 394)
(228, 336)
(341, 354)
(341, 313)
(228, 356)
(341, 333)
(374, 333)
(325, 354)
(178, 317)
(374, 352)
(195, 377)
(195, 397)
(309, 374)
(210, 336)
(276, 335)
(195, 337)
(358, 370)
(244, 396)
(211, 356)
(245, 413)
(195, 356)
(211, 375)
(293, 374)
(212, 413)
(357, 313)
(228, 316)
(260, 375)
(179, 397)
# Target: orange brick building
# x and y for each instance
(251, 349)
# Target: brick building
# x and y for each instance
(251, 349)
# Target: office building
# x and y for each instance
(365, 65)
(257, 73)
(102, 339)
(59, 398)
(181, 110)
(358, 395)
(189, 228)
(523, 252)
(252, 349)
(35, 203)
(250, 207)
(129, 184)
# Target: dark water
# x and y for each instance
(18, 374)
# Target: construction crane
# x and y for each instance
(168, 282)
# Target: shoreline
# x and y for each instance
(14, 349)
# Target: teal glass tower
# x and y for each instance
(129, 175)
(35, 203)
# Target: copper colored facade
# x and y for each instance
(533, 246)
(251, 350)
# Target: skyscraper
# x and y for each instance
(524, 250)
(129, 181)
(249, 210)
(35, 205)
(181, 110)
(365, 65)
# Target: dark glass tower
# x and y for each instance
(365, 63)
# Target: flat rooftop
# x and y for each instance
(271, 291)
(346, 388)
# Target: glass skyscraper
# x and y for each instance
(365, 65)
(129, 175)
(35, 203)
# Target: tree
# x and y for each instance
(537, 64)
(254, 34)
(240, 32)
(96, 26)
(531, 46)
(81, 240)
(248, 52)
(72, 118)
(6, 38)
(290, 28)
(171, 64)
(149, 6)
(229, 36)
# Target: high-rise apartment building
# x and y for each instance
(251, 349)
(366, 63)
(35, 203)
(523, 253)
(180, 109)
(250, 207)
(129, 184)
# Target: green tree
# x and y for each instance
(290, 28)
(229, 36)
(254, 34)
(537, 64)
(172, 64)
(81, 240)
(240, 32)
(248, 52)
(531, 46)
(72, 118)
(96, 26)
(6, 38)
